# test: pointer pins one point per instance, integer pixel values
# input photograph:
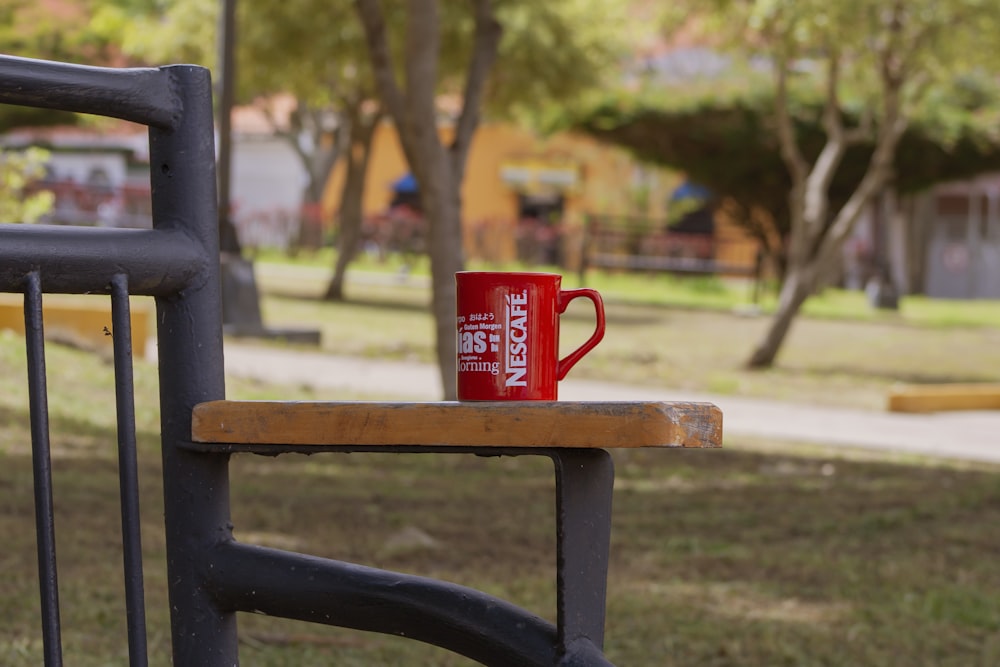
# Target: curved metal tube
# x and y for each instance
(140, 94)
(469, 622)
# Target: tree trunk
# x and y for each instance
(308, 235)
(919, 215)
(351, 216)
(317, 158)
(817, 234)
(438, 170)
(351, 200)
(442, 208)
(794, 292)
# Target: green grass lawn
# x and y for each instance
(840, 352)
(701, 292)
(759, 554)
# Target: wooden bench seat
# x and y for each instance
(274, 426)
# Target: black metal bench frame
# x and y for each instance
(211, 576)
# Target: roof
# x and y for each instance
(127, 137)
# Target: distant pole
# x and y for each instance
(240, 298)
(228, 240)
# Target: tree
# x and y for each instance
(720, 137)
(308, 49)
(438, 168)
(892, 50)
(316, 51)
(362, 126)
(30, 29)
(878, 57)
(549, 52)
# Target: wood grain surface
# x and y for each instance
(605, 425)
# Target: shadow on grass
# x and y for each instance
(777, 559)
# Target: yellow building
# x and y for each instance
(513, 174)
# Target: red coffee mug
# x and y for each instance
(508, 335)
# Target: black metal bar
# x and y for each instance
(142, 95)
(583, 653)
(128, 472)
(196, 485)
(42, 468)
(584, 486)
(469, 622)
(79, 260)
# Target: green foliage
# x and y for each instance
(33, 29)
(555, 53)
(969, 103)
(27, 29)
(316, 50)
(938, 38)
(160, 32)
(16, 116)
(18, 169)
(723, 138)
(946, 58)
(310, 48)
(37, 30)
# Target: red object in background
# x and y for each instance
(508, 335)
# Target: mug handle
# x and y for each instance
(565, 296)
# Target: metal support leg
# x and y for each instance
(195, 485)
(584, 484)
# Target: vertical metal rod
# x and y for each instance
(128, 472)
(42, 468)
(584, 485)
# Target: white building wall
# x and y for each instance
(267, 183)
(83, 167)
(963, 259)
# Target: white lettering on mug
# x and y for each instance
(476, 338)
(491, 367)
(473, 342)
(516, 330)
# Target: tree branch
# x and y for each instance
(373, 22)
(817, 188)
(833, 123)
(485, 46)
(790, 152)
(423, 41)
(891, 128)
(288, 134)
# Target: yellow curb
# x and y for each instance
(936, 398)
(83, 321)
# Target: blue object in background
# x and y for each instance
(405, 185)
(689, 190)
